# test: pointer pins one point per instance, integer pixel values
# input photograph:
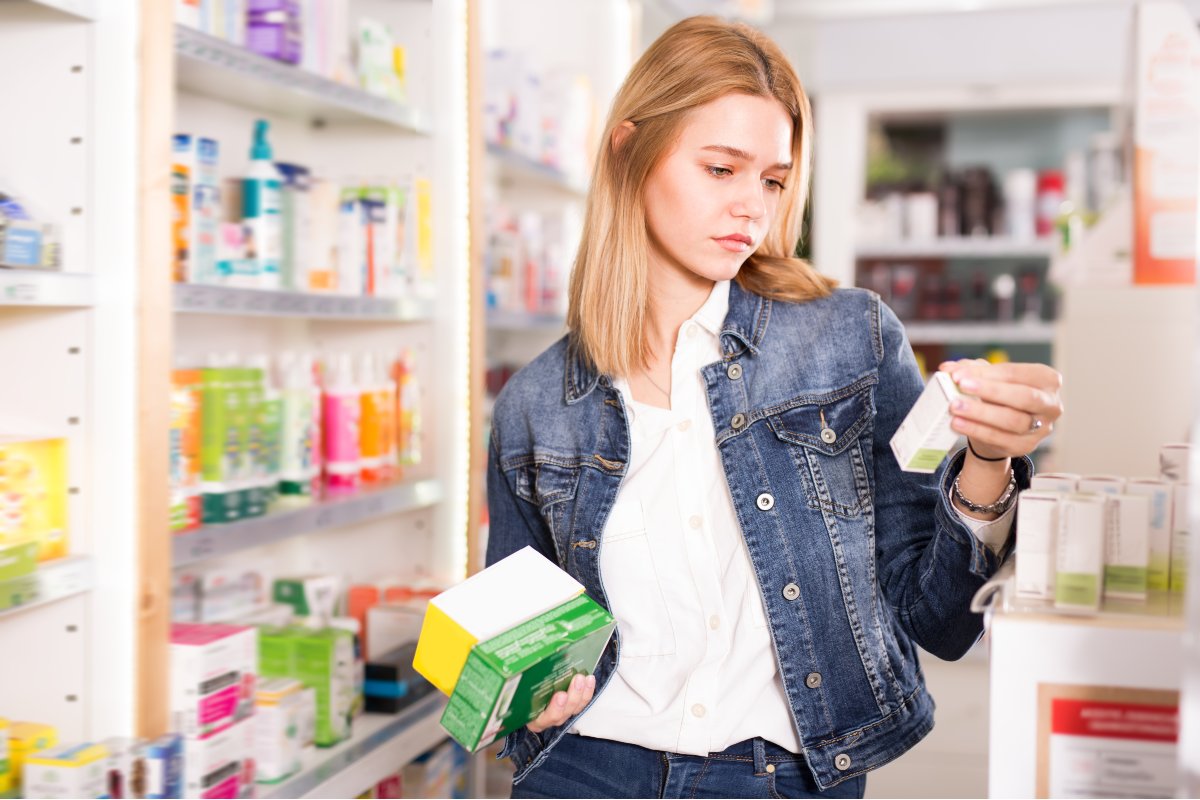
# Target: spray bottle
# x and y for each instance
(261, 207)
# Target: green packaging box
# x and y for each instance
(18, 560)
(220, 445)
(509, 679)
(323, 660)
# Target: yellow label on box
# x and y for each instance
(442, 649)
(33, 493)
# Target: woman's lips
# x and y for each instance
(735, 244)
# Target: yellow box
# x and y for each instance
(511, 591)
(25, 739)
(67, 771)
(33, 493)
(5, 761)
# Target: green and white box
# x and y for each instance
(1080, 559)
(1160, 496)
(925, 437)
(1179, 539)
(508, 680)
(1127, 547)
(1037, 535)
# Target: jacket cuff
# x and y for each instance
(984, 561)
(522, 746)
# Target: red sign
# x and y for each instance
(1138, 722)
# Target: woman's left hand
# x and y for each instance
(1013, 407)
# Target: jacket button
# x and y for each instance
(738, 422)
(828, 436)
(842, 762)
(813, 681)
(791, 591)
(765, 502)
(734, 372)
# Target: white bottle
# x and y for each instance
(261, 210)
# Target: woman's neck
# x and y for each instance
(675, 295)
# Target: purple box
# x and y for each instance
(273, 29)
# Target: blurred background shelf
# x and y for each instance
(517, 321)
(517, 168)
(961, 247)
(50, 289)
(196, 299)
(920, 333)
(54, 580)
(216, 68)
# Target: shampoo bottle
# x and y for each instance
(371, 423)
(261, 208)
(296, 461)
(342, 413)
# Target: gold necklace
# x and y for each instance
(655, 384)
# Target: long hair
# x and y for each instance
(693, 63)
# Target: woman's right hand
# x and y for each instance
(564, 705)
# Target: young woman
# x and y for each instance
(707, 451)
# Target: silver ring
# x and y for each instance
(1036, 426)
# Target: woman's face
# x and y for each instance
(711, 199)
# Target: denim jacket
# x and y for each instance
(857, 561)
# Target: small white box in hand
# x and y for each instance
(925, 437)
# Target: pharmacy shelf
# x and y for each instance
(54, 580)
(79, 9)
(517, 169)
(980, 333)
(961, 247)
(198, 299)
(379, 745)
(20, 287)
(212, 541)
(517, 321)
(214, 67)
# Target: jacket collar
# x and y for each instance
(745, 327)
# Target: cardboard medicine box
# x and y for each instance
(213, 674)
(1160, 499)
(1080, 558)
(33, 493)
(1037, 538)
(71, 770)
(1127, 547)
(925, 437)
(501, 660)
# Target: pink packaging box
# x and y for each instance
(213, 675)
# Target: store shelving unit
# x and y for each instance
(226, 301)
(213, 541)
(210, 66)
(983, 333)
(517, 168)
(960, 247)
(57, 580)
(379, 742)
(46, 289)
(78, 9)
(509, 321)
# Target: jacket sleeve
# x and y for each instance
(513, 523)
(929, 562)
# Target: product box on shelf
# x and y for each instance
(1037, 524)
(225, 594)
(1080, 559)
(221, 765)
(213, 669)
(17, 560)
(1101, 484)
(1055, 482)
(309, 596)
(221, 445)
(33, 493)
(186, 433)
(1180, 539)
(70, 770)
(324, 661)
(1127, 547)
(393, 624)
(124, 769)
(6, 778)
(1160, 501)
(392, 683)
(277, 744)
(163, 760)
(1173, 462)
(25, 739)
(925, 437)
(255, 495)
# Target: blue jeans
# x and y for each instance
(580, 766)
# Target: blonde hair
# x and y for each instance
(695, 62)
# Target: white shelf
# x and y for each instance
(214, 67)
(49, 289)
(80, 9)
(198, 299)
(980, 332)
(962, 247)
(516, 168)
(379, 745)
(212, 541)
(54, 580)
(517, 321)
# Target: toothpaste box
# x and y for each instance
(221, 765)
(1160, 497)
(925, 437)
(1173, 462)
(1180, 539)
(71, 770)
(1101, 484)
(1080, 558)
(213, 673)
(1127, 547)
(1037, 535)
(1055, 482)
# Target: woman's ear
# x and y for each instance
(621, 133)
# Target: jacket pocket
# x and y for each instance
(547, 484)
(632, 584)
(825, 434)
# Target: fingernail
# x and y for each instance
(560, 699)
(970, 384)
(591, 681)
(575, 682)
(959, 405)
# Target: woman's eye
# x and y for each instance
(774, 185)
(719, 172)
